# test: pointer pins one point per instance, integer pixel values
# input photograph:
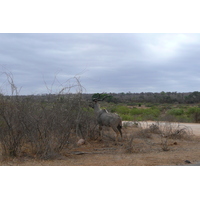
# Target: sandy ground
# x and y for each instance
(144, 150)
(195, 127)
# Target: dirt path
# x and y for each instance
(194, 126)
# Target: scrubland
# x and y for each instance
(44, 130)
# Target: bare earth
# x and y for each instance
(194, 126)
(145, 151)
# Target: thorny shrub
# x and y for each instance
(43, 127)
(11, 130)
(169, 130)
(166, 131)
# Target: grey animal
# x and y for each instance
(105, 118)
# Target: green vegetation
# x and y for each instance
(176, 111)
(195, 113)
(134, 113)
(163, 106)
(161, 112)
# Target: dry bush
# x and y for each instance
(181, 132)
(43, 128)
(138, 140)
(153, 128)
(170, 130)
(129, 146)
(135, 144)
(11, 131)
(164, 143)
(46, 127)
(143, 131)
(166, 131)
(52, 126)
(85, 120)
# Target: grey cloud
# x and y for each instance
(105, 62)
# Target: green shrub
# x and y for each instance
(176, 111)
(136, 111)
(194, 112)
(123, 110)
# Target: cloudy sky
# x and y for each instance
(115, 62)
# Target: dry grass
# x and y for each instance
(138, 148)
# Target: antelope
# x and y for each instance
(105, 118)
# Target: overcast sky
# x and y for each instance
(114, 62)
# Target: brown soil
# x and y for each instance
(146, 149)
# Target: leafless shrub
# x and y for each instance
(153, 128)
(11, 132)
(138, 141)
(47, 128)
(87, 127)
(181, 132)
(44, 127)
(135, 144)
(170, 130)
(129, 146)
(143, 131)
(164, 143)
(166, 130)
(52, 126)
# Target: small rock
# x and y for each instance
(187, 161)
(81, 142)
(175, 143)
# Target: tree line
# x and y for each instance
(150, 97)
(131, 98)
